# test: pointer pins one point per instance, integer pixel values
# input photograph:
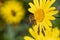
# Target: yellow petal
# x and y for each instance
(51, 18)
(45, 25)
(31, 5)
(44, 1)
(59, 38)
(55, 32)
(51, 9)
(28, 38)
(36, 3)
(31, 10)
(48, 23)
(41, 2)
(32, 33)
(52, 12)
(35, 28)
(49, 3)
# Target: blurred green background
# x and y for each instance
(7, 32)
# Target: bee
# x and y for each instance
(31, 19)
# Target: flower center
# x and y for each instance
(13, 13)
(39, 15)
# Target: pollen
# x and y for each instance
(39, 15)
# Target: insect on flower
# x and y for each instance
(43, 11)
(31, 19)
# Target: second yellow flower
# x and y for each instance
(12, 11)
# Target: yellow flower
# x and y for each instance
(35, 34)
(12, 11)
(39, 33)
(43, 12)
(52, 34)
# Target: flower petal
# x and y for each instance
(36, 3)
(28, 38)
